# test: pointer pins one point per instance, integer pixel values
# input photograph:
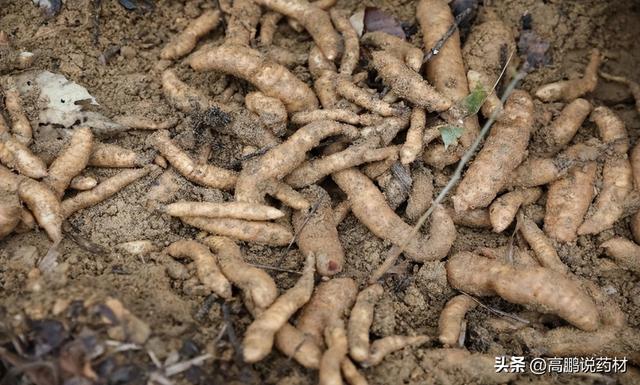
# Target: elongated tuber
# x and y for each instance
(504, 209)
(478, 218)
(272, 79)
(20, 125)
(114, 156)
(503, 150)
(186, 40)
(204, 174)
(359, 96)
(314, 170)
(421, 194)
(206, 265)
(104, 190)
(317, 234)
(238, 210)
(537, 171)
(315, 20)
(413, 143)
(83, 183)
(336, 338)
(543, 289)
(251, 231)
(624, 252)
(452, 317)
(341, 115)
(350, 38)
(369, 206)
(351, 373)
(45, 206)
(295, 344)
(563, 128)
(258, 287)
(258, 339)
(16, 155)
(360, 322)
(543, 247)
(568, 200)
(407, 83)
(568, 90)
(329, 302)
(71, 161)
(384, 346)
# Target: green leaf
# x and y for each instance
(472, 103)
(450, 134)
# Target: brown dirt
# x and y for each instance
(155, 288)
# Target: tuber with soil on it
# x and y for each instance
(259, 337)
(502, 152)
(540, 288)
(207, 268)
(568, 90)
(317, 232)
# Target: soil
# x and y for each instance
(182, 316)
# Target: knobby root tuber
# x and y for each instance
(20, 125)
(543, 289)
(258, 287)
(624, 252)
(318, 234)
(272, 79)
(407, 83)
(563, 128)
(104, 190)
(384, 346)
(413, 143)
(399, 48)
(360, 322)
(271, 111)
(186, 40)
(370, 207)
(421, 194)
(45, 206)
(351, 51)
(16, 155)
(206, 265)
(243, 20)
(359, 96)
(568, 90)
(543, 247)
(71, 161)
(83, 183)
(329, 302)
(568, 200)
(266, 233)
(502, 152)
(238, 210)
(258, 339)
(204, 174)
(452, 317)
(504, 209)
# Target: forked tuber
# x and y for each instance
(317, 232)
(315, 20)
(259, 337)
(207, 268)
(104, 190)
(330, 372)
(329, 302)
(258, 287)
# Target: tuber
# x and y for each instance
(568, 90)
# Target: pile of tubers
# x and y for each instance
(354, 132)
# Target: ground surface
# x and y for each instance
(130, 83)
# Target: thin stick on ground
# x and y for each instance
(496, 311)
(440, 43)
(396, 250)
(267, 267)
